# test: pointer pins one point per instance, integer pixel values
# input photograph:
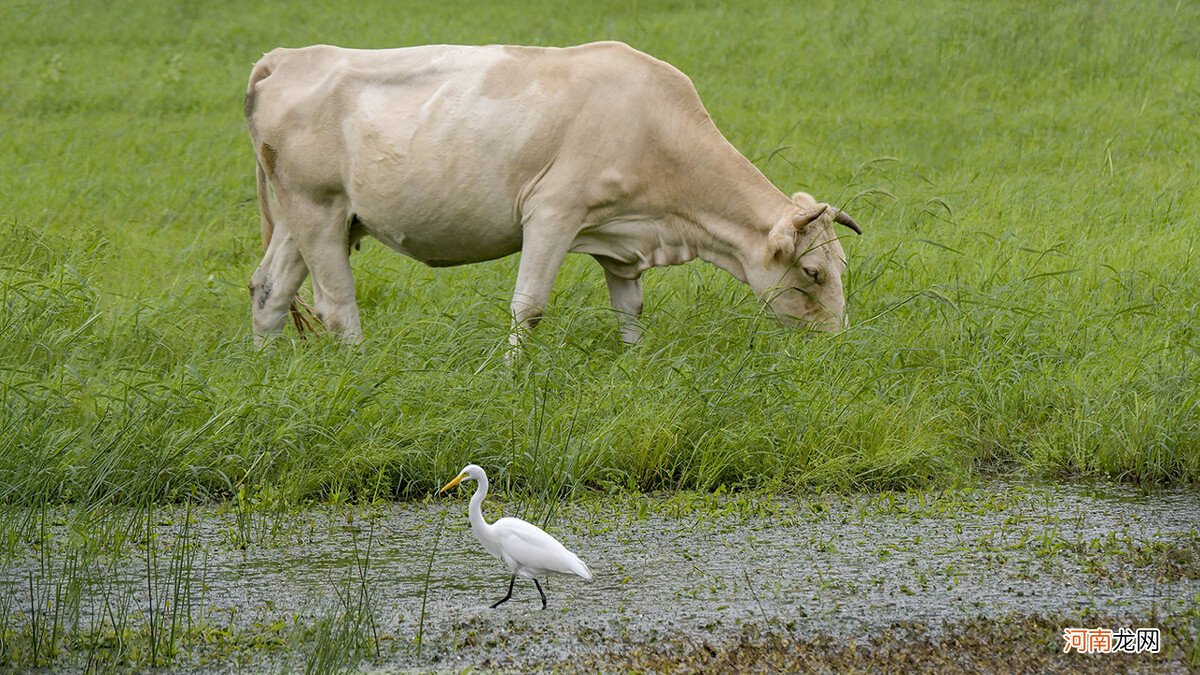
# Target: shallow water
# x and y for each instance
(696, 566)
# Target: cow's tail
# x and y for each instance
(264, 203)
(303, 316)
(262, 152)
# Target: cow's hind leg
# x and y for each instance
(275, 282)
(626, 297)
(326, 251)
(357, 232)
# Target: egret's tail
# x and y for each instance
(580, 568)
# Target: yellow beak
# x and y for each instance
(454, 482)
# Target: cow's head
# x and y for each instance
(802, 277)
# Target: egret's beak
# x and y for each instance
(452, 483)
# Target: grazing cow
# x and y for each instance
(454, 155)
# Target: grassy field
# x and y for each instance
(1024, 298)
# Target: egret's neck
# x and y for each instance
(478, 524)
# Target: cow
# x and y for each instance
(462, 154)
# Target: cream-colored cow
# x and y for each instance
(454, 155)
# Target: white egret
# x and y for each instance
(526, 548)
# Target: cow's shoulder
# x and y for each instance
(615, 54)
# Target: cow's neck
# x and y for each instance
(724, 220)
(732, 231)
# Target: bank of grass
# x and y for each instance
(1025, 643)
(1024, 299)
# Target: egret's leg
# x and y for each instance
(512, 580)
(539, 587)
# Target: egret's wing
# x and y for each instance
(530, 547)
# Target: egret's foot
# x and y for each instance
(539, 587)
(511, 581)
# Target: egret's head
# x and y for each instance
(469, 472)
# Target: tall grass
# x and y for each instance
(1024, 297)
(119, 588)
(83, 606)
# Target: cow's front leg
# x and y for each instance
(541, 257)
(626, 297)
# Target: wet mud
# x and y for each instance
(687, 582)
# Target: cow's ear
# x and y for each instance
(781, 242)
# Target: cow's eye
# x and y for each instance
(813, 273)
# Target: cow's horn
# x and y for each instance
(845, 219)
(800, 220)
